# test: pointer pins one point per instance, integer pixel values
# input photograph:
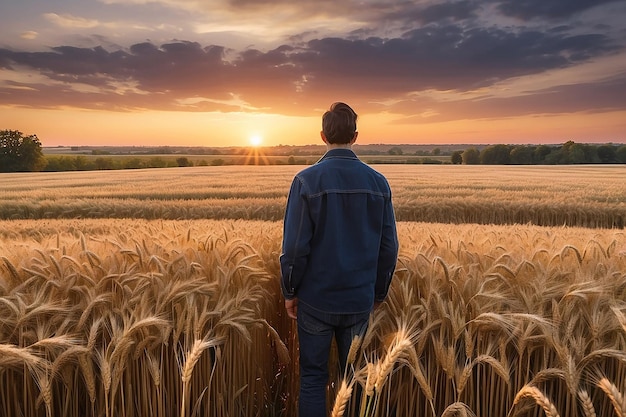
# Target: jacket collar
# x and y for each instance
(344, 153)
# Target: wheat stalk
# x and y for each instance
(105, 375)
(42, 379)
(189, 362)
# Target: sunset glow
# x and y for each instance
(256, 141)
(109, 72)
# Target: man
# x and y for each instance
(339, 253)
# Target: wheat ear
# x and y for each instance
(86, 365)
(344, 394)
(397, 349)
(11, 355)
(616, 397)
(587, 404)
(540, 398)
(459, 409)
(372, 373)
(354, 349)
(281, 349)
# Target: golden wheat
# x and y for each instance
(98, 311)
(190, 360)
(587, 404)
(615, 395)
(543, 195)
(458, 409)
(539, 397)
(343, 396)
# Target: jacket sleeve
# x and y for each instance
(297, 233)
(388, 253)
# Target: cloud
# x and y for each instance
(445, 58)
(591, 97)
(69, 21)
(460, 10)
(441, 57)
(408, 57)
(528, 9)
(31, 34)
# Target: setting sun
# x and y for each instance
(256, 155)
(256, 140)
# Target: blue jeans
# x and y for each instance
(315, 335)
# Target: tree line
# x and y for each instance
(568, 153)
(23, 153)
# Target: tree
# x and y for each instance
(156, 162)
(522, 155)
(607, 154)
(104, 163)
(396, 150)
(19, 153)
(61, 163)
(134, 163)
(540, 153)
(620, 154)
(471, 156)
(496, 155)
(183, 162)
(457, 157)
(572, 153)
(81, 163)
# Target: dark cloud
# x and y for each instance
(597, 97)
(405, 15)
(528, 9)
(443, 58)
(301, 77)
(459, 10)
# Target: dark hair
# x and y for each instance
(339, 123)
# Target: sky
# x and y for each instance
(228, 72)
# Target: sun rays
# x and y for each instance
(256, 155)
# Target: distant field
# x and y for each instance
(587, 196)
(170, 160)
(253, 157)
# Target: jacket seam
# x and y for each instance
(362, 191)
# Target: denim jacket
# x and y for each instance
(340, 243)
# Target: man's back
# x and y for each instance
(347, 219)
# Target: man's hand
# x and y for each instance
(292, 308)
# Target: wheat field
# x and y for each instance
(586, 196)
(137, 316)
